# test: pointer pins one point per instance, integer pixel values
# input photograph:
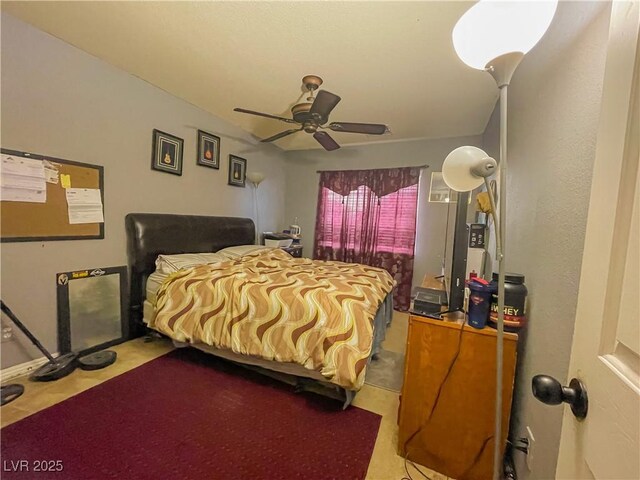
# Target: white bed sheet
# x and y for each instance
(153, 285)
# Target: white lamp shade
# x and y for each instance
(493, 28)
(255, 177)
(459, 170)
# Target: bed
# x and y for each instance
(150, 235)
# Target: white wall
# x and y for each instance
(302, 188)
(553, 108)
(60, 101)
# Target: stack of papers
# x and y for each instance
(22, 180)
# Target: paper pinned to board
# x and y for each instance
(22, 180)
(51, 172)
(84, 205)
(65, 180)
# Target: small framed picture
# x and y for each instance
(167, 153)
(208, 150)
(237, 170)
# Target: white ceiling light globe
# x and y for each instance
(493, 28)
(465, 168)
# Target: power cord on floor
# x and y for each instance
(408, 475)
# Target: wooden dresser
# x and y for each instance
(456, 437)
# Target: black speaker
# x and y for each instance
(459, 254)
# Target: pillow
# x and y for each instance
(172, 263)
(231, 253)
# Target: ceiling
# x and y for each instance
(391, 62)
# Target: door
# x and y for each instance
(606, 344)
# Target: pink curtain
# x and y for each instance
(369, 217)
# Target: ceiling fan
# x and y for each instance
(313, 114)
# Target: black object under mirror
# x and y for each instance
(8, 393)
(97, 360)
(551, 392)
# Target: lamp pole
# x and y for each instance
(255, 208)
(256, 179)
(485, 30)
(501, 69)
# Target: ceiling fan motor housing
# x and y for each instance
(301, 114)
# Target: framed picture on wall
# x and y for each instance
(208, 150)
(237, 171)
(167, 153)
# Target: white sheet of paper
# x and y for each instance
(22, 195)
(27, 167)
(8, 180)
(84, 205)
(22, 180)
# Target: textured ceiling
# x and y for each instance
(391, 62)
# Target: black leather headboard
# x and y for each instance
(152, 234)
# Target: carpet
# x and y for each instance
(386, 371)
(189, 415)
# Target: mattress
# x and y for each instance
(270, 305)
(153, 284)
(381, 322)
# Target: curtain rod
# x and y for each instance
(421, 167)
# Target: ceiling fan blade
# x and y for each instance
(326, 141)
(323, 104)
(268, 115)
(280, 135)
(367, 128)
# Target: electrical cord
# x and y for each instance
(431, 412)
(476, 458)
(433, 409)
(408, 475)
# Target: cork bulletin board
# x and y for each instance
(26, 221)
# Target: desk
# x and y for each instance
(459, 428)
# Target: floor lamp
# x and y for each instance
(494, 36)
(256, 178)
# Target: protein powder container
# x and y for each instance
(515, 302)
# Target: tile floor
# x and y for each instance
(385, 464)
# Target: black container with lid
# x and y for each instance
(515, 302)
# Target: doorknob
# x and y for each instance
(550, 391)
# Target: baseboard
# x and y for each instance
(22, 369)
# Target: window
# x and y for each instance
(369, 217)
(394, 215)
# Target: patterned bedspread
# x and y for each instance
(271, 305)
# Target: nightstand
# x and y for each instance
(294, 250)
(447, 403)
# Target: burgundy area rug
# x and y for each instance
(189, 415)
